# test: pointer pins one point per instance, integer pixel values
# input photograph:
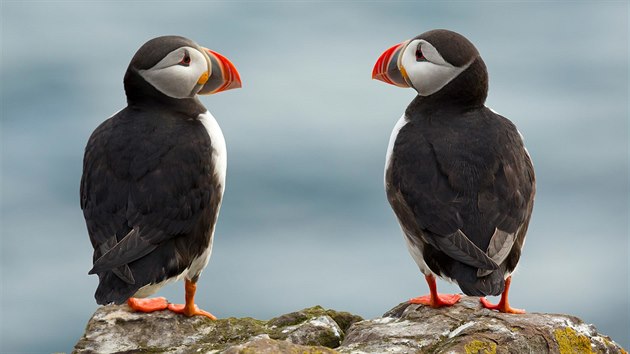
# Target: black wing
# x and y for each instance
(144, 181)
(459, 194)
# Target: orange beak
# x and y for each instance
(224, 74)
(388, 68)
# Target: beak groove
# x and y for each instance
(224, 75)
(387, 67)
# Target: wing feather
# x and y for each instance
(459, 247)
(132, 247)
(138, 191)
(467, 201)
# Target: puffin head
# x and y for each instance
(178, 68)
(432, 63)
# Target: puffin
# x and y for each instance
(457, 174)
(154, 176)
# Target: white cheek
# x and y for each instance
(177, 81)
(173, 81)
(428, 77)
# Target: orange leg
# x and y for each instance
(147, 305)
(503, 305)
(434, 299)
(190, 309)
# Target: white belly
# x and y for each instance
(392, 140)
(219, 156)
(416, 252)
(219, 152)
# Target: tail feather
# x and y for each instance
(112, 289)
(472, 285)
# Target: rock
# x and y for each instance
(469, 328)
(265, 345)
(463, 328)
(116, 329)
(315, 326)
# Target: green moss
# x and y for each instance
(569, 341)
(344, 319)
(272, 346)
(327, 339)
(479, 347)
(289, 319)
(224, 332)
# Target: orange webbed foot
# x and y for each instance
(502, 306)
(190, 310)
(440, 300)
(147, 305)
(434, 299)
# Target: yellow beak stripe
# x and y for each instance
(203, 78)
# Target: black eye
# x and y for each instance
(420, 55)
(185, 60)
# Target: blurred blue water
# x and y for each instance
(305, 220)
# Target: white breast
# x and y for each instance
(219, 156)
(392, 140)
(219, 151)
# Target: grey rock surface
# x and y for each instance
(116, 329)
(469, 328)
(463, 328)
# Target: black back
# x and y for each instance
(147, 173)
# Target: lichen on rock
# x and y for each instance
(569, 341)
(479, 347)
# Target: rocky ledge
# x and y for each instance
(463, 328)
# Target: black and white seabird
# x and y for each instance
(154, 176)
(457, 174)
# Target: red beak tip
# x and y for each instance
(384, 69)
(374, 73)
(231, 76)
